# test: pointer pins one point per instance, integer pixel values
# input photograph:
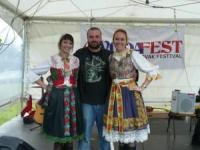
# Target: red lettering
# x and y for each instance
(167, 47)
(177, 45)
(154, 46)
(146, 45)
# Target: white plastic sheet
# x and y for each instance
(10, 64)
(43, 38)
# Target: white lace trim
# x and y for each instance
(56, 62)
(127, 137)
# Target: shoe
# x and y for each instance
(68, 146)
(57, 146)
(123, 146)
(131, 148)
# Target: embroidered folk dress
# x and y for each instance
(126, 119)
(62, 118)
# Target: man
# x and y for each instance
(93, 85)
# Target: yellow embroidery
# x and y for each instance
(121, 123)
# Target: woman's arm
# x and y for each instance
(143, 86)
(41, 83)
(145, 83)
(142, 64)
(34, 75)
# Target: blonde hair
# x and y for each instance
(123, 31)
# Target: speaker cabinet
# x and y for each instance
(182, 102)
(13, 143)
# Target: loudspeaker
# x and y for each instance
(182, 102)
(13, 143)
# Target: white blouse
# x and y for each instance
(142, 64)
(54, 61)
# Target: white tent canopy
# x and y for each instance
(105, 8)
(44, 21)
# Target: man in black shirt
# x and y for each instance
(93, 85)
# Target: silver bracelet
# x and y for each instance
(144, 86)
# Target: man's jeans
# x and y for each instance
(92, 114)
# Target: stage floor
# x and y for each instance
(159, 139)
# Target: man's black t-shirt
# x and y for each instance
(93, 77)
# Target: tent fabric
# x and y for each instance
(11, 64)
(46, 20)
(43, 38)
(107, 8)
(8, 16)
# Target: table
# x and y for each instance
(173, 115)
(157, 114)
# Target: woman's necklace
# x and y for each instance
(118, 55)
(65, 59)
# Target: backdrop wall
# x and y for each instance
(42, 38)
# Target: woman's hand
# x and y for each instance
(138, 88)
(44, 86)
(41, 83)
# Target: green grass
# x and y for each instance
(9, 111)
(13, 109)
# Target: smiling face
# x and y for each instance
(66, 46)
(120, 40)
(66, 43)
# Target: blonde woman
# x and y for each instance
(126, 120)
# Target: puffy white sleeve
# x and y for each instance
(142, 64)
(40, 69)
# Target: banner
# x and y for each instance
(160, 45)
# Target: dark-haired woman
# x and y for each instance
(62, 119)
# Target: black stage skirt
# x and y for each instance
(55, 123)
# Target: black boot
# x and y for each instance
(131, 148)
(123, 146)
(68, 146)
(57, 146)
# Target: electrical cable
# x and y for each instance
(116, 11)
(88, 10)
(14, 18)
(186, 4)
(83, 12)
(99, 9)
(123, 7)
(159, 6)
(8, 44)
(37, 10)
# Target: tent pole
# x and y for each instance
(117, 20)
(24, 54)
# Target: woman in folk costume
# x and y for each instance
(126, 119)
(62, 118)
